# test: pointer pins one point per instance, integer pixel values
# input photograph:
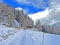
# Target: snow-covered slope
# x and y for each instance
(13, 36)
(5, 32)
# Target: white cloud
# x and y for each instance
(35, 3)
(39, 15)
(52, 22)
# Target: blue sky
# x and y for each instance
(30, 6)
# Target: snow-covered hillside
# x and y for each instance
(14, 36)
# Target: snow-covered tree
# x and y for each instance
(38, 25)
